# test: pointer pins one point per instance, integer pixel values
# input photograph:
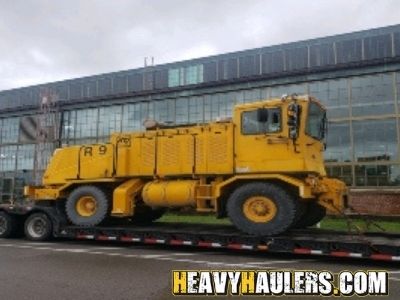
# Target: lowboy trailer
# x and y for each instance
(43, 223)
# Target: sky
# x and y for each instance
(46, 40)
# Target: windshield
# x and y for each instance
(316, 121)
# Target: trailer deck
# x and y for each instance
(377, 246)
(313, 241)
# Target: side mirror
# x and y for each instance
(262, 115)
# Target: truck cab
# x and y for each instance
(284, 136)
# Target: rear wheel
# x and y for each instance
(313, 214)
(38, 227)
(261, 208)
(87, 206)
(8, 225)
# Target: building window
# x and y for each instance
(174, 76)
(348, 51)
(9, 130)
(8, 158)
(249, 65)
(341, 172)
(273, 62)
(322, 55)
(296, 58)
(334, 95)
(86, 123)
(146, 111)
(164, 111)
(227, 101)
(135, 114)
(109, 120)
(375, 140)
(338, 143)
(219, 106)
(193, 74)
(372, 95)
(251, 95)
(132, 119)
(211, 107)
(25, 157)
(181, 111)
(196, 110)
(68, 126)
(377, 175)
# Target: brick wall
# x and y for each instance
(376, 202)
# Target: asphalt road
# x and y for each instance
(94, 270)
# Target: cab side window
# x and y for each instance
(251, 124)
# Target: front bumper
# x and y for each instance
(332, 194)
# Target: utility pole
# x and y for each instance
(47, 132)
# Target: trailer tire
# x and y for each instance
(261, 209)
(38, 227)
(8, 225)
(87, 205)
(313, 214)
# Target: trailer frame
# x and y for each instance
(319, 242)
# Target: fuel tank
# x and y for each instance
(170, 193)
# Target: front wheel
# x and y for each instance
(87, 205)
(261, 208)
(38, 227)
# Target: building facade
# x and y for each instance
(355, 75)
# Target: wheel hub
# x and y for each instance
(36, 227)
(259, 209)
(86, 206)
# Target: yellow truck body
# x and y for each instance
(276, 145)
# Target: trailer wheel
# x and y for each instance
(261, 209)
(8, 225)
(314, 213)
(87, 206)
(38, 227)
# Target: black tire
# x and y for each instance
(284, 202)
(313, 214)
(102, 206)
(38, 227)
(146, 215)
(8, 225)
(300, 211)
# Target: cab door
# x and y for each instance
(261, 145)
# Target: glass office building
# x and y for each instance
(356, 75)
